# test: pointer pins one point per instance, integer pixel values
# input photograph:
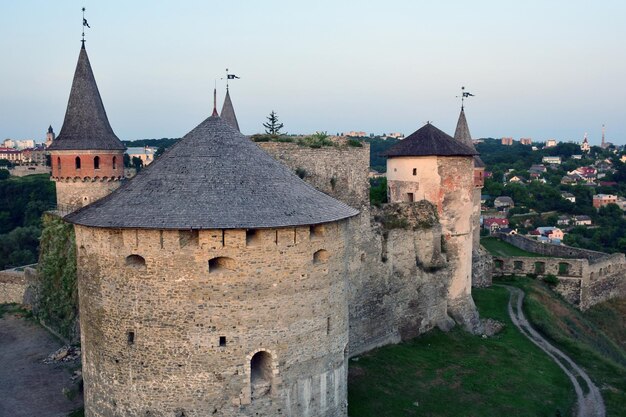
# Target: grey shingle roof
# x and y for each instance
(429, 140)
(228, 112)
(213, 178)
(86, 125)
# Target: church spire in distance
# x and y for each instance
(214, 114)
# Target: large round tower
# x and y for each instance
(87, 158)
(431, 165)
(214, 283)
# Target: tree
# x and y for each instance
(159, 151)
(272, 127)
(137, 163)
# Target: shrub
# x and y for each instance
(551, 280)
(301, 172)
(355, 143)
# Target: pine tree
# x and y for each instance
(272, 127)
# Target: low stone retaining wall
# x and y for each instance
(559, 251)
(14, 284)
(590, 279)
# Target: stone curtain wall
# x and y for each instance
(175, 327)
(560, 251)
(582, 282)
(25, 170)
(570, 283)
(399, 277)
(606, 279)
(339, 171)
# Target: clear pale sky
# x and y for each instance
(539, 68)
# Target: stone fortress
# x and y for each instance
(217, 282)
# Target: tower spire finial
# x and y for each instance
(463, 95)
(84, 24)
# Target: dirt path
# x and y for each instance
(28, 387)
(589, 403)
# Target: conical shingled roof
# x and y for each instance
(462, 134)
(213, 178)
(228, 112)
(86, 126)
(429, 141)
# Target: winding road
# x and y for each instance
(589, 403)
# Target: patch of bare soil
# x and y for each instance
(28, 386)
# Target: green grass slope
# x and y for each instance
(594, 339)
(457, 374)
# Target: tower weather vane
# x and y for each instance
(84, 24)
(463, 95)
(230, 77)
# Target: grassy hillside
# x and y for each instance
(595, 339)
(499, 247)
(457, 374)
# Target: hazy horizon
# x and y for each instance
(537, 70)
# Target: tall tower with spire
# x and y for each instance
(603, 145)
(462, 134)
(50, 136)
(87, 157)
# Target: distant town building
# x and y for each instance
(354, 134)
(600, 200)
(34, 156)
(495, 223)
(554, 234)
(551, 143)
(146, 154)
(585, 147)
(582, 220)
(563, 221)
(395, 135)
(556, 160)
(568, 196)
(507, 141)
(577, 157)
(8, 143)
(526, 141)
(11, 154)
(503, 203)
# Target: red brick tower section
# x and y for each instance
(87, 157)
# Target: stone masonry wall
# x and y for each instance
(73, 194)
(13, 285)
(398, 279)
(560, 251)
(339, 171)
(583, 282)
(180, 332)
